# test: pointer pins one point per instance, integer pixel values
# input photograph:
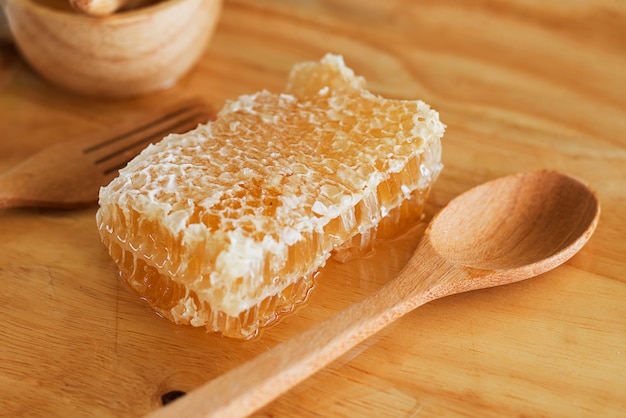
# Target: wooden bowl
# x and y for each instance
(126, 54)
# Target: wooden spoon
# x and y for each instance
(507, 230)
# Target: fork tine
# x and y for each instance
(111, 163)
(152, 130)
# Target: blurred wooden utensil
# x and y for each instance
(69, 174)
(123, 55)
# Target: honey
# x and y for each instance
(226, 226)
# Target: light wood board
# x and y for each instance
(521, 85)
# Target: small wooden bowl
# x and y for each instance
(122, 55)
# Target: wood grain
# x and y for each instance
(522, 85)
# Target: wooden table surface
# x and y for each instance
(521, 85)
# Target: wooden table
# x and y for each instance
(521, 85)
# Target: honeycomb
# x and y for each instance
(227, 225)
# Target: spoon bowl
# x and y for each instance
(538, 215)
(503, 231)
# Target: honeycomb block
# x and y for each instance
(226, 226)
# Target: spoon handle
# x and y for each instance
(247, 388)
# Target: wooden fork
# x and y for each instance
(69, 174)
